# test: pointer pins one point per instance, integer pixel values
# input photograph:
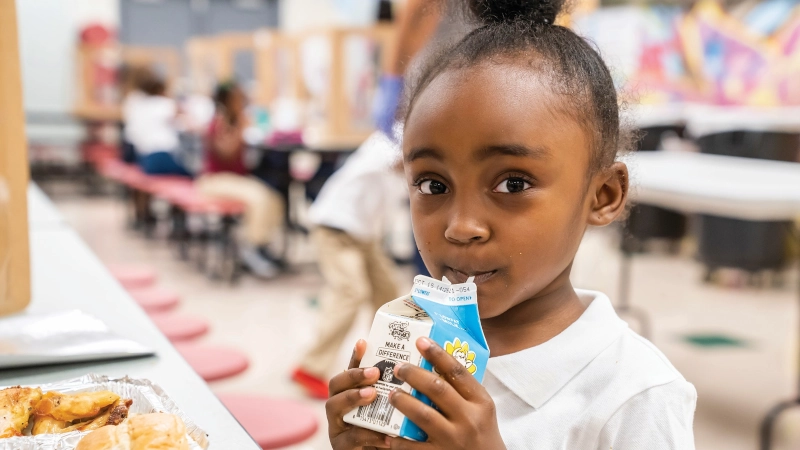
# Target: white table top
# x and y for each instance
(42, 213)
(702, 120)
(66, 275)
(644, 116)
(739, 188)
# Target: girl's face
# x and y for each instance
(500, 183)
(237, 102)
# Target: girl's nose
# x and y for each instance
(465, 229)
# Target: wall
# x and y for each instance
(48, 30)
(47, 33)
(172, 22)
(298, 15)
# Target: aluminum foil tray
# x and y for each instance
(147, 398)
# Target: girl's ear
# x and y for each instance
(610, 195)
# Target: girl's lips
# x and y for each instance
(461, 277)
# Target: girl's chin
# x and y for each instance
(489, 309)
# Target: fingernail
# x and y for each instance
(371, 372)
(398, 368)
(392, 393)
(423, 343)
(366, 392)
(388, 441)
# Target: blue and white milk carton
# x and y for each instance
(447, 314)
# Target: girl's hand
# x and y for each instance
(350, 389)
(466, 416)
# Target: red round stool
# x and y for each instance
(272, 423)
(213, 363)
(133, 277)
(177, 327)
(155, 300)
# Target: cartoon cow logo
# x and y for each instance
(388, 374)
(386, 368)
(399, 331)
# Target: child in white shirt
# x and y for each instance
(349, 216)
(509, 150)
(150, 127)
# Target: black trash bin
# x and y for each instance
(741, 244)
(651, 222)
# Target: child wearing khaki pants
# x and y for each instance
(349, 215)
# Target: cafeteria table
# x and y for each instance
(66, 276)
(42, 213)
(725, 186)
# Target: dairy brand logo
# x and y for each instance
(399, 331)
(462, 354)
(386, 368)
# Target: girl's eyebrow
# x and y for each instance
(423, 152)
(511, 150)
(484, 153)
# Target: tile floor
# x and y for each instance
(274, 321)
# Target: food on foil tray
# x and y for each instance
(56, 413)
(145, 432)
(112, 414)
(16, 407)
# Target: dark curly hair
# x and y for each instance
(223, 94)
(523, 32)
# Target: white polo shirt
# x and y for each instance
(597, 385)
(361, 196)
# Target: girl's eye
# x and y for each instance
(432, 187)
(512, 185)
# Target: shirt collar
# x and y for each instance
(536, 374)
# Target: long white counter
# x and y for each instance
(66, 275)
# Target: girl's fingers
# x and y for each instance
(353, 378)
(453, 371)
(405, 444)
(356, 438)
(425, 417)
(358, 353)
(433, 386)
(340, 404)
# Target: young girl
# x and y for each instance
(150, 128)
(225, 175)
(509, 149)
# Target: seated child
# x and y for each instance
(150, 128)
(225, 175)
(509, 150)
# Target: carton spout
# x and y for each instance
(445, 280)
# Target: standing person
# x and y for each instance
(150, 127)
(423, 28)
(351, 208)
(225, 175)
(350, 215)
(510, 154)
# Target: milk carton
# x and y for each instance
(447, 314)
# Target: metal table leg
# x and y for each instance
(768, 424)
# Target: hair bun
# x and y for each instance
(505, 11)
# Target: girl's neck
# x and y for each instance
(536, 320)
